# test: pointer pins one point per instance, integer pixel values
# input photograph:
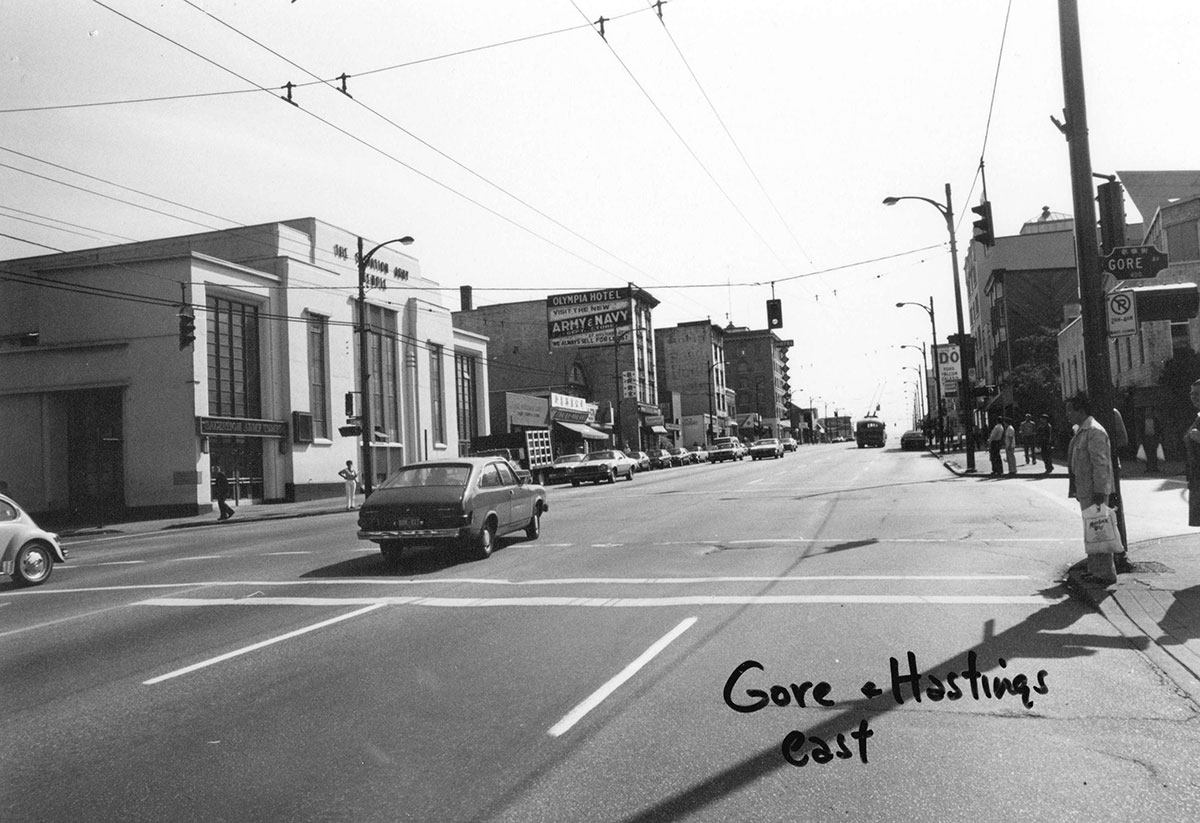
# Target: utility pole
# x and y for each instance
(1087, 252)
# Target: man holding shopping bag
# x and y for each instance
(1089, 457)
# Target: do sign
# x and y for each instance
(949, 368)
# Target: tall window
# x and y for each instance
(437, 397)
(466, 406)
(233, 372)
(1181, 339)
(318, 375)
(385, 379)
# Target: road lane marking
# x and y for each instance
(220, 658)
(624, 602)
(456, 581)
(597, 697)
(273, 554)
(197, 557)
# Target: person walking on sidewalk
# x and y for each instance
(1010, 446)
(1191, 440)
(349, 475)
(1045, 440)
(995, 447)
(221, 493)
(1028, 434)
(1089, 457)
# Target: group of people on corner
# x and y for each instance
(1036, 437)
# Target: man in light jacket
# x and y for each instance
(1089, 458)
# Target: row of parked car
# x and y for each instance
(611, 464)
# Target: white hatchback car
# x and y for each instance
(27, 553)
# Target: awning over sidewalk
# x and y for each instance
(583, 429)
(659, 429)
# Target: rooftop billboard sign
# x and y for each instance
(588, 318)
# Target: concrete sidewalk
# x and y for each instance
(244, 513)
(1156, 603)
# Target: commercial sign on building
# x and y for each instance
(588, 318)
(240, 427)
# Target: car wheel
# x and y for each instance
(612, 475)
(630, 475)
(575, 483)
(391, 550)
(33, 564)
(534, 528)
(485, 540)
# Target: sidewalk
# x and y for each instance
(1156, 605)
(245, 513)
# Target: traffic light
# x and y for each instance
(985, 391)
(1111, 197)
(984, 232)
(187, 328)
(774, 313)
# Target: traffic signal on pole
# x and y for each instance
(774, 313)
(984, 232)
(187, 328)
(1111, 197)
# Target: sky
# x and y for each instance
(716, 157)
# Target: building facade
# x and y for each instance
(757, 370)
(615, 373)
(691, 364)
(109, 409)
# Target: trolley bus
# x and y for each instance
(870, 432)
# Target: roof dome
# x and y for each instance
(1047, 221)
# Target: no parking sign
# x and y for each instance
(1122, 313)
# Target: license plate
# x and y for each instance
(408, 523)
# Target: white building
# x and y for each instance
(102, 408)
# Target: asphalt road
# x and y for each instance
(612, 670)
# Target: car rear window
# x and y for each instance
(451, 474)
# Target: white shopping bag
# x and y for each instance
(1100, 533)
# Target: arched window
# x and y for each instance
(579, 379)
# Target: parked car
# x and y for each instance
(913, 439)
(27, 552)
(466, 502)
(604, 465)
(681, 456)
(789, 444)
(700, 454)
(766, 447)
(660, 459)
(643, 461)
(561, 469)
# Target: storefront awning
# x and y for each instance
(583, 430)
(659, 429)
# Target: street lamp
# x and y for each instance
(920, 405)
(813, 409)
(937, 374)
(924, 370)
(364, 421)
(947, 211)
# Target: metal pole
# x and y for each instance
(964, 409)
(617, 391)
(364, 375)
(1097, 368)
(937, 378)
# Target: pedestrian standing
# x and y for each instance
(1045, 438)
(221, 493)
(1010, 446)
(1191, 440)
(995, 447)
(350, 476)
(1150, 443)
(1028, 434)
(1089, 456)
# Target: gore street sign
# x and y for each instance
(1132, 262)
